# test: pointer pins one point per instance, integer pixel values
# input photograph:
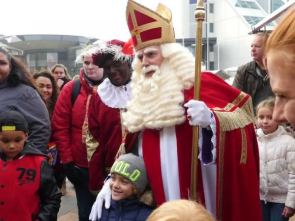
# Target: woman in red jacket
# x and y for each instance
(70, 125)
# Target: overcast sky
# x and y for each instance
(103, 19)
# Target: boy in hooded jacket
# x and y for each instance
(28, 190)
(128, 181)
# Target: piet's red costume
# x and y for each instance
(105, 126)
(104, 111)
(237, 163)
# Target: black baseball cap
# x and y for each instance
(13, 121)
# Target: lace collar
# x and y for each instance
(113, 96)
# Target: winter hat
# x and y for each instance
(131, 167)
(13, 121)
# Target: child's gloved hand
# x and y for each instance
(198, 113)
(103, 196)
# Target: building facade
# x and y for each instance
(43, 51)
(226, 38)
(225, 44)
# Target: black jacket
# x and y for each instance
(126, 210)
(249, 81)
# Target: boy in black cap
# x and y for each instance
(28, 190)
(128, 181)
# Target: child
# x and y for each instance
(180, 210)
(277, 170)
(128, 182)
(28, 190)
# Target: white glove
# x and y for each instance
(198, 113)
(103, 196)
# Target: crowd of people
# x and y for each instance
(122, 131)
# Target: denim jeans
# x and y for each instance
(85, 199)
(273, 211)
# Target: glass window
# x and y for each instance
(211, 27)
(246, 4)
(276, 4)
(31, 60)
(211, 65)
(37, 60)
(211, 47)
(41, 59)
(62, 57)
(52, 59)
(211, 8)
(253, 20)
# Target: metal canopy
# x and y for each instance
(271, 17)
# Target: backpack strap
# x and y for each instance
(75, 92)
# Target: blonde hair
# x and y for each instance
(283, 37)
(180, 210)
(67, 75)
(269, 103)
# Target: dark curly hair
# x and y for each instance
(55, 89)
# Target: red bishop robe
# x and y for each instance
(237, 163)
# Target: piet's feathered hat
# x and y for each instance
(89, 50)
(114, 49)
(149, 27)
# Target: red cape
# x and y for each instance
(237, 197)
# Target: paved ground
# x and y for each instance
(68, 209)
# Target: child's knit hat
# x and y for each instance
(132, 167)
(13, 121)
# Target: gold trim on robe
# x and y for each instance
(220, 183)
(232, 116)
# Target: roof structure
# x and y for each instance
(12, 50)
(273, 16)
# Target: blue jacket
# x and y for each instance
(126, 210)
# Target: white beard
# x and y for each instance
(157, 101)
